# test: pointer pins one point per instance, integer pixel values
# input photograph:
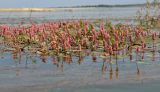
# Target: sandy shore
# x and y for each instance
(27, 9)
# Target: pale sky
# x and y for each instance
(60, 3)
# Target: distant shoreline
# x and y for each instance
(27, 9)
(71, 8)
(110, 6)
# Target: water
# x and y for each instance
(31, 73)
(71, 13)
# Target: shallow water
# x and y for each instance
(85, 13)
(29, 72)
(65, 13)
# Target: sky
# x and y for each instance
(61, 3)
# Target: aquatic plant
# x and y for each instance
(148, 16)
(72, 36)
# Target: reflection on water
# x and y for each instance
(111, 67)
(22, 67)
(80, 69)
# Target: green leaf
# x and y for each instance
(1, 38)
(34, 62)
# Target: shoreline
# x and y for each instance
(27, 9)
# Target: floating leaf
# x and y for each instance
(141, 62)
(34, 61)
(112, 62)
(1, 38)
